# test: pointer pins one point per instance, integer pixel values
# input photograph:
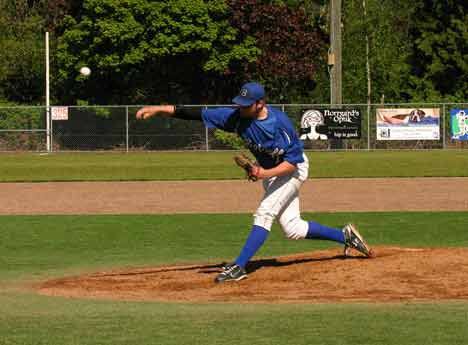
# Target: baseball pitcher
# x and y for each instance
(281, 165)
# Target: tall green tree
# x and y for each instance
(386, 25)
(292, 48)
(147, 51)
(22, 66)
(418, 50)
(439, 57)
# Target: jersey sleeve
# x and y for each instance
(220, 118)
(294, 150)
(294, 153)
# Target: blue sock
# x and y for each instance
(257, 237)
(323, 232)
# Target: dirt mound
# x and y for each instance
(396, 274)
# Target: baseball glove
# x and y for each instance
(251, 168)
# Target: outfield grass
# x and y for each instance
(40, 247)
(219, 165)
(28, 319)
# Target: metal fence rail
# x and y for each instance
(115, 128)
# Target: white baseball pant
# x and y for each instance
(281, 201)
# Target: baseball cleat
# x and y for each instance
(231, 272)
(353, 239)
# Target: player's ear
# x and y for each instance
(260, 104)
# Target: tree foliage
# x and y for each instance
(132, 44)
(418, 50)
(439, 58)
(200, 51)
(387, 25)
(22, 51)
(292, 48)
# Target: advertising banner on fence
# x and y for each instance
(327, 124)
(408, 124)
(459, 124)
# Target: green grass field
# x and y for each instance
(34, 248)
(219, 165)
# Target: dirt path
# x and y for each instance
(408, 194)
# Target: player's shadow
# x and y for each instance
(264, 263)
(255, 265)
(142, 272)
(216, 268)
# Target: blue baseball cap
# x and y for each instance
(249, 94)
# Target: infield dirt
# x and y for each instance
(395, 275)
(317, 195)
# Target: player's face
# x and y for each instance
(253, 110)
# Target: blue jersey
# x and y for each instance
(272, 140)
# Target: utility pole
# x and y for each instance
(336, 97)
(368, 70)
(334, 62)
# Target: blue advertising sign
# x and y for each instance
(459, 124)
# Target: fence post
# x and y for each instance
(443, 127)
(207, 147)
(368, 127)
(51, 131)
(126, 128)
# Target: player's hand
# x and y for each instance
(150, 111)
(146, 112)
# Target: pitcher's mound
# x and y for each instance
(396, 274)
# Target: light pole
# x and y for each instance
(48, 131)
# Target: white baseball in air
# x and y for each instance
(85, 71)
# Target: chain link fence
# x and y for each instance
(23, 129)
(115, 128)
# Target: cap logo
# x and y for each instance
(243, 92)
